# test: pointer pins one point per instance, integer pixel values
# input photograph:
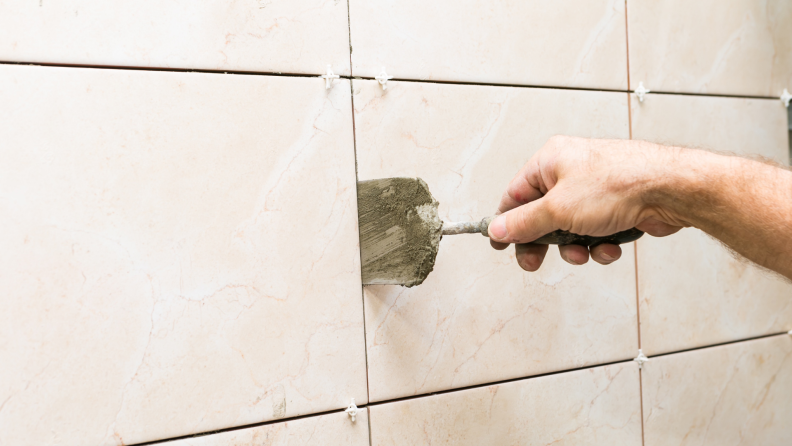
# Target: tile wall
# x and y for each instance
(180, 260)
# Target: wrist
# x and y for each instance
(683, 184)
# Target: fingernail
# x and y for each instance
(570, 260)
(497, 228)
(607, 257)
(528, 261)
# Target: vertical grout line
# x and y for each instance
(362, 292)
(629, 114)
(640, 395)
(368, 412)
(637, 298)
(354, 147)
(638, 315)
(635, 243)
(627, 42)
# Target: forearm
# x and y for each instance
(745, 204)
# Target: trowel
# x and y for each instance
(400, 231)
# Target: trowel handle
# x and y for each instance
(567, 238)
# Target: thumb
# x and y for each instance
(522, 224)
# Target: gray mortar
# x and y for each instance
(400, 231)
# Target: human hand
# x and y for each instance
(585, 186)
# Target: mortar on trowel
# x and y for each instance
(400, 231)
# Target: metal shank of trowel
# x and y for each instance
(554, 238)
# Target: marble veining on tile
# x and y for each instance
(159, 275)
(721, 396)
(692, 291)
(296, 36)
(478, 317)
(738, 47)
(331, 430)
(598, 406)
(571, 43)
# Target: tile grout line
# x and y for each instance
(496, 383)
(161, 69)
(442, 392)
(559, 87)
(423, 81)
(368, 418)
(627, 42)
(721, 344)
(237, 428)
(635, 243)
(640, 401)
(638, 315)
(354, 147)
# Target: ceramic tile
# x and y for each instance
(726, 396)
(478, 317)
(333, 429)
(598, 406)
(298, 36)
(738, 47)
(572, 43)
(692, 291)
(160, 276)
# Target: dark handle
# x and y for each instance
(567, 238)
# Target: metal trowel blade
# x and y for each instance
(400, 231)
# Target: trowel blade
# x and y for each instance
(400, 231)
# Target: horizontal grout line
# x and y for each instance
(493, 84)
(160, 69)
(551, 87)
(495, 383)
(420, 81)
(714, 95)
(237, 428)
(754, 338)
(442, 392)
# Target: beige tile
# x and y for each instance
(296, 36)
(739, 47)
(478, 317)
(692, 291)
(333, 429)
(726, 396)
(599, 406)
(159, 274)
(573, 43)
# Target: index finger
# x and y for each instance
(521, 190)
(524, 188)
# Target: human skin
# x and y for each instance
(599, 187)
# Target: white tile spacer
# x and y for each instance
(641, 359)
(383, 78)
(352, 410)
(641, 91)
(786, 97)
(329, 77)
